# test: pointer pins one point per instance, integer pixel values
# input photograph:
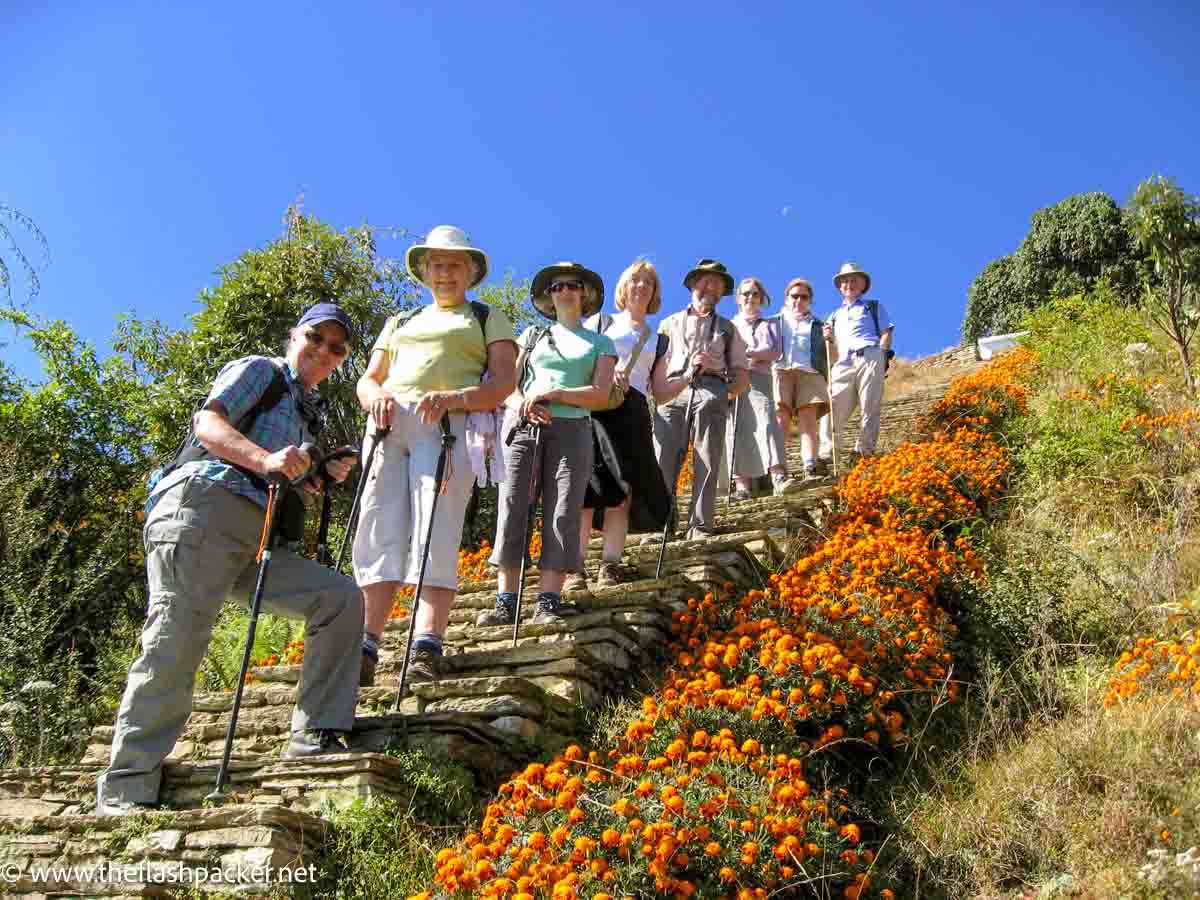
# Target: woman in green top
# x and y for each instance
(564, 371)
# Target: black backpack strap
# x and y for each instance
(481, 311)
(523, 368)
(873, 309)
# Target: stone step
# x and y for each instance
(55, 855)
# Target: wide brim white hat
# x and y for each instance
(450, 238)
(851, 268)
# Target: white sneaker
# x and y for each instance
(782, 484)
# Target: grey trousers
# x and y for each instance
(201, 542)
(566, 462)
(711, 407)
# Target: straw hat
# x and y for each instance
(593, 294)
(445, 237)
(710, 267)
(851, 268)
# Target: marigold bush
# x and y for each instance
(711, 790)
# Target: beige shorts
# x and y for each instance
(795, 388)
(397, 501)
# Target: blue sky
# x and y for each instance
(153, 142)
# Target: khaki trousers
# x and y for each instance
(201, 541)
(711, 409)
(858, 382)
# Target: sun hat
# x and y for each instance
(445, 237)
(539, 291)
(851, 268)
(710, 267)
(327, 312)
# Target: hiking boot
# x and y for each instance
(698, 533)
(575, 581)
(502, 614)
(314, 742)
(810, 472)
(550, 611)
(656, 537)
(115, 807)
(424, 666)
(366, 672)
(823, 465)
(741, 495)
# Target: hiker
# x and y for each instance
(861, 336)
(203, 528)
(801, 393)
(641, 365)
(426, 364)
(564, 370)
(754, 443)
(707, 346)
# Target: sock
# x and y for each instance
(370, 646)
(506, 601)
(427, 640)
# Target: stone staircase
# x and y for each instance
(500, 706)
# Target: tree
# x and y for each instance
(1070, 247)
(12, 220)
(1166, 223)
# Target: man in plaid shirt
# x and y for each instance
(204, 523)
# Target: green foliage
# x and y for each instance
(1070, 247)
(385, 848)
(223, 661)
(1166, 223)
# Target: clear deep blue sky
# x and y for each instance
(153, 142)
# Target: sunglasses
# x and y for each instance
(751, 292)
(318, 340)
(566, 286)
(800, 296)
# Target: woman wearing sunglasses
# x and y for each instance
(425, 365)
(801, 371)
(641, 365)
(564, 371)
(753, 437)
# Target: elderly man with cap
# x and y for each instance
(707, 346)
(861, 333)
(426, 363)
(202, 534)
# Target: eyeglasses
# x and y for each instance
(319, 340)
(751, 292)
(566, 286)
(800, 296)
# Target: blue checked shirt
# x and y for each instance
(238, 387)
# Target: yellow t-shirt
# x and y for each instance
(438, 349)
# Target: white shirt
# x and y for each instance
(622, 334)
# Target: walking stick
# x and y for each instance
(448, 440)
(833, 435)
(351, 523)
(277, 486)
(535, 478)
(737, 405)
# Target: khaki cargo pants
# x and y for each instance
(201, 541)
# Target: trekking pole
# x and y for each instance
(535, 478)
(448, 440)
(276, 487)
(833, 435)
(378, 436)
(737, 404)
(322, 555)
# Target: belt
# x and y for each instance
(862, 351)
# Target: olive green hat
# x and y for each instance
(710, 267)
(593, 291)
(848, 269)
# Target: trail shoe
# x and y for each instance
(614, 573)
(114, 807)
(810, 472)
(424, 666)
(656, 537)
(550, 610)
(314, 742)
(781, 484)
(698, 533)
(824, 465)
(741, 495)
(575, 581)
(504, 613)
